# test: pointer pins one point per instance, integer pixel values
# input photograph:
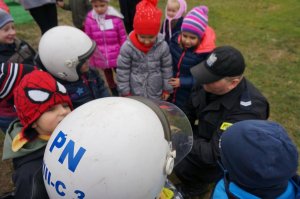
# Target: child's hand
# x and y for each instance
(60, 3)
(126, 95)
(165, 95)
(175, 82)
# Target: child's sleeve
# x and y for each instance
(186, 82)
(166, 67)
(124, 70)
(102, 89)
(87, 26)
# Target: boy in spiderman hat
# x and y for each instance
(41, 103)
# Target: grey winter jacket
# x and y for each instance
(143, 74)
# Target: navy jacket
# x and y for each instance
(209, 115)
(184, 59)
(89, 87)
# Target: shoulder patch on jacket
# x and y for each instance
(246, 103)
(225, 125)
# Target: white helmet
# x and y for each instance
(63, 49)
(114, 148)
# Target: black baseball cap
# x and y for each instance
(224, 61)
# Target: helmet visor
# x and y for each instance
(181, 134)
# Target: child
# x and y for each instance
(189, 48)
(69, 63)
(259, 160)
(10, 76)
(79, 9)
(145, 64)
(13, 49)
(41, 104)
(105, 26)
(90, 86)
(175, 11)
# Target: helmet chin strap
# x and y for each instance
(170, 160)
(70, 63)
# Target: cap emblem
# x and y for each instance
(211, 59)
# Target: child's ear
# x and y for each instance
(34, 125)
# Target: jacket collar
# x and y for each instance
(228, 100)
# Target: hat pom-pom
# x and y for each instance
(204, 9)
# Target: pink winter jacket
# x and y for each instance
(109, 38)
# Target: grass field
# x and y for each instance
(268, 34)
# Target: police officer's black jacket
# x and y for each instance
(210, 115)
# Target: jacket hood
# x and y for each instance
(207, 44)
(13, 130)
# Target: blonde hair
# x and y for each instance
(174, 2)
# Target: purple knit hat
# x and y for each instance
(196, 21)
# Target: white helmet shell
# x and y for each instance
(108, 148)
(61, 49)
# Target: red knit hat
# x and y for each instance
(37, 92)
(147, 18)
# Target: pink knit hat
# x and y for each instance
(196, 21)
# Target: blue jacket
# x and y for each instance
(184, 59)
(89, 87)
(165, 31)
(291, 192)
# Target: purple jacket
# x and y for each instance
(109, 38)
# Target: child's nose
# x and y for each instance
(63, 110)
(12, 32)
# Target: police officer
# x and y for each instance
(221, 97)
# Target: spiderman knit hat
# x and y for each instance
(196, 21)
(37, 92)
(147, 18)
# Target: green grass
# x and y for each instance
(268, 34)
(17, 11)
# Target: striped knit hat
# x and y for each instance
(196, 21)
(10, 76)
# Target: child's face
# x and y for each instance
(100, 7)
(147, 40)
(189, 40)
(172, 8)
(85, 67)
(48, 121)
(8, 33)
